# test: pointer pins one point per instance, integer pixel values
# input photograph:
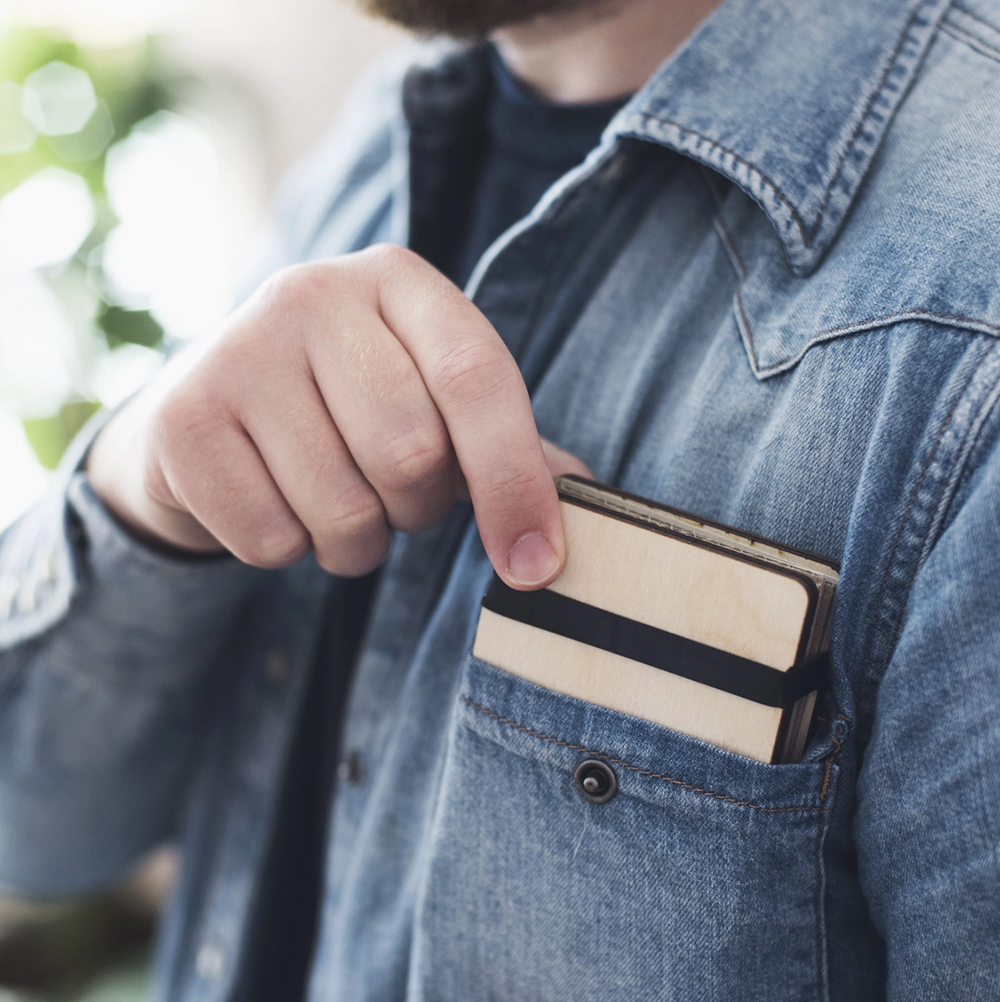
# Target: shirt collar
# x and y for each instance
(789, 99)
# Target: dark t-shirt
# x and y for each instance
(496, 169)
(529, 143)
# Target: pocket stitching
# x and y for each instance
(647, 772)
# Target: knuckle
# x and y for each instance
(357, 514)
(383, 267)
(296, 287)
(351, 562)
(510, 489)
(154, 482)
(278, 547)
(240, 357)
(306, 305)
(470, 372)
(356, 540)
(415, 459)
(387, 257)
(181, 417)
(289, 303)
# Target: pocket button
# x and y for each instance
(595, 781)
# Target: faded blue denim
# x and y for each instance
(771, 296)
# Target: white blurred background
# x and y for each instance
(120, 236)
(140, 142)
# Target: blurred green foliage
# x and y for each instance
(95, 950)
(131, 79)
(121, 326)
(49, 436)
(133, 82)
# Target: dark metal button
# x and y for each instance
(596, 781)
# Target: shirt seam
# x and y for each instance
(782, 197)
(959, 472)
(911, 508)
(970, 40)
(952, 320)
(964, 471)
(822, 977)
(650, 774)
(957, 8)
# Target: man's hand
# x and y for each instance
(346, 397)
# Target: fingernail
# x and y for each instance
(531, 560)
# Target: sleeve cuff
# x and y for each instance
(68, 546)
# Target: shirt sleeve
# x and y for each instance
(928, 821)
(105, 646)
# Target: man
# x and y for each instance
(768, 295)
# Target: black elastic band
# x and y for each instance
(567, 617)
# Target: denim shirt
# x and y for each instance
(770, 296)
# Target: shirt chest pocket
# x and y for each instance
(581, 853)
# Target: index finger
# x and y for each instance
(478, 389)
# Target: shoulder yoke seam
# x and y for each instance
(957, 8)
(973, 31)
(954, 321)
(971, 41)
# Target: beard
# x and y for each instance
(466, 19)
